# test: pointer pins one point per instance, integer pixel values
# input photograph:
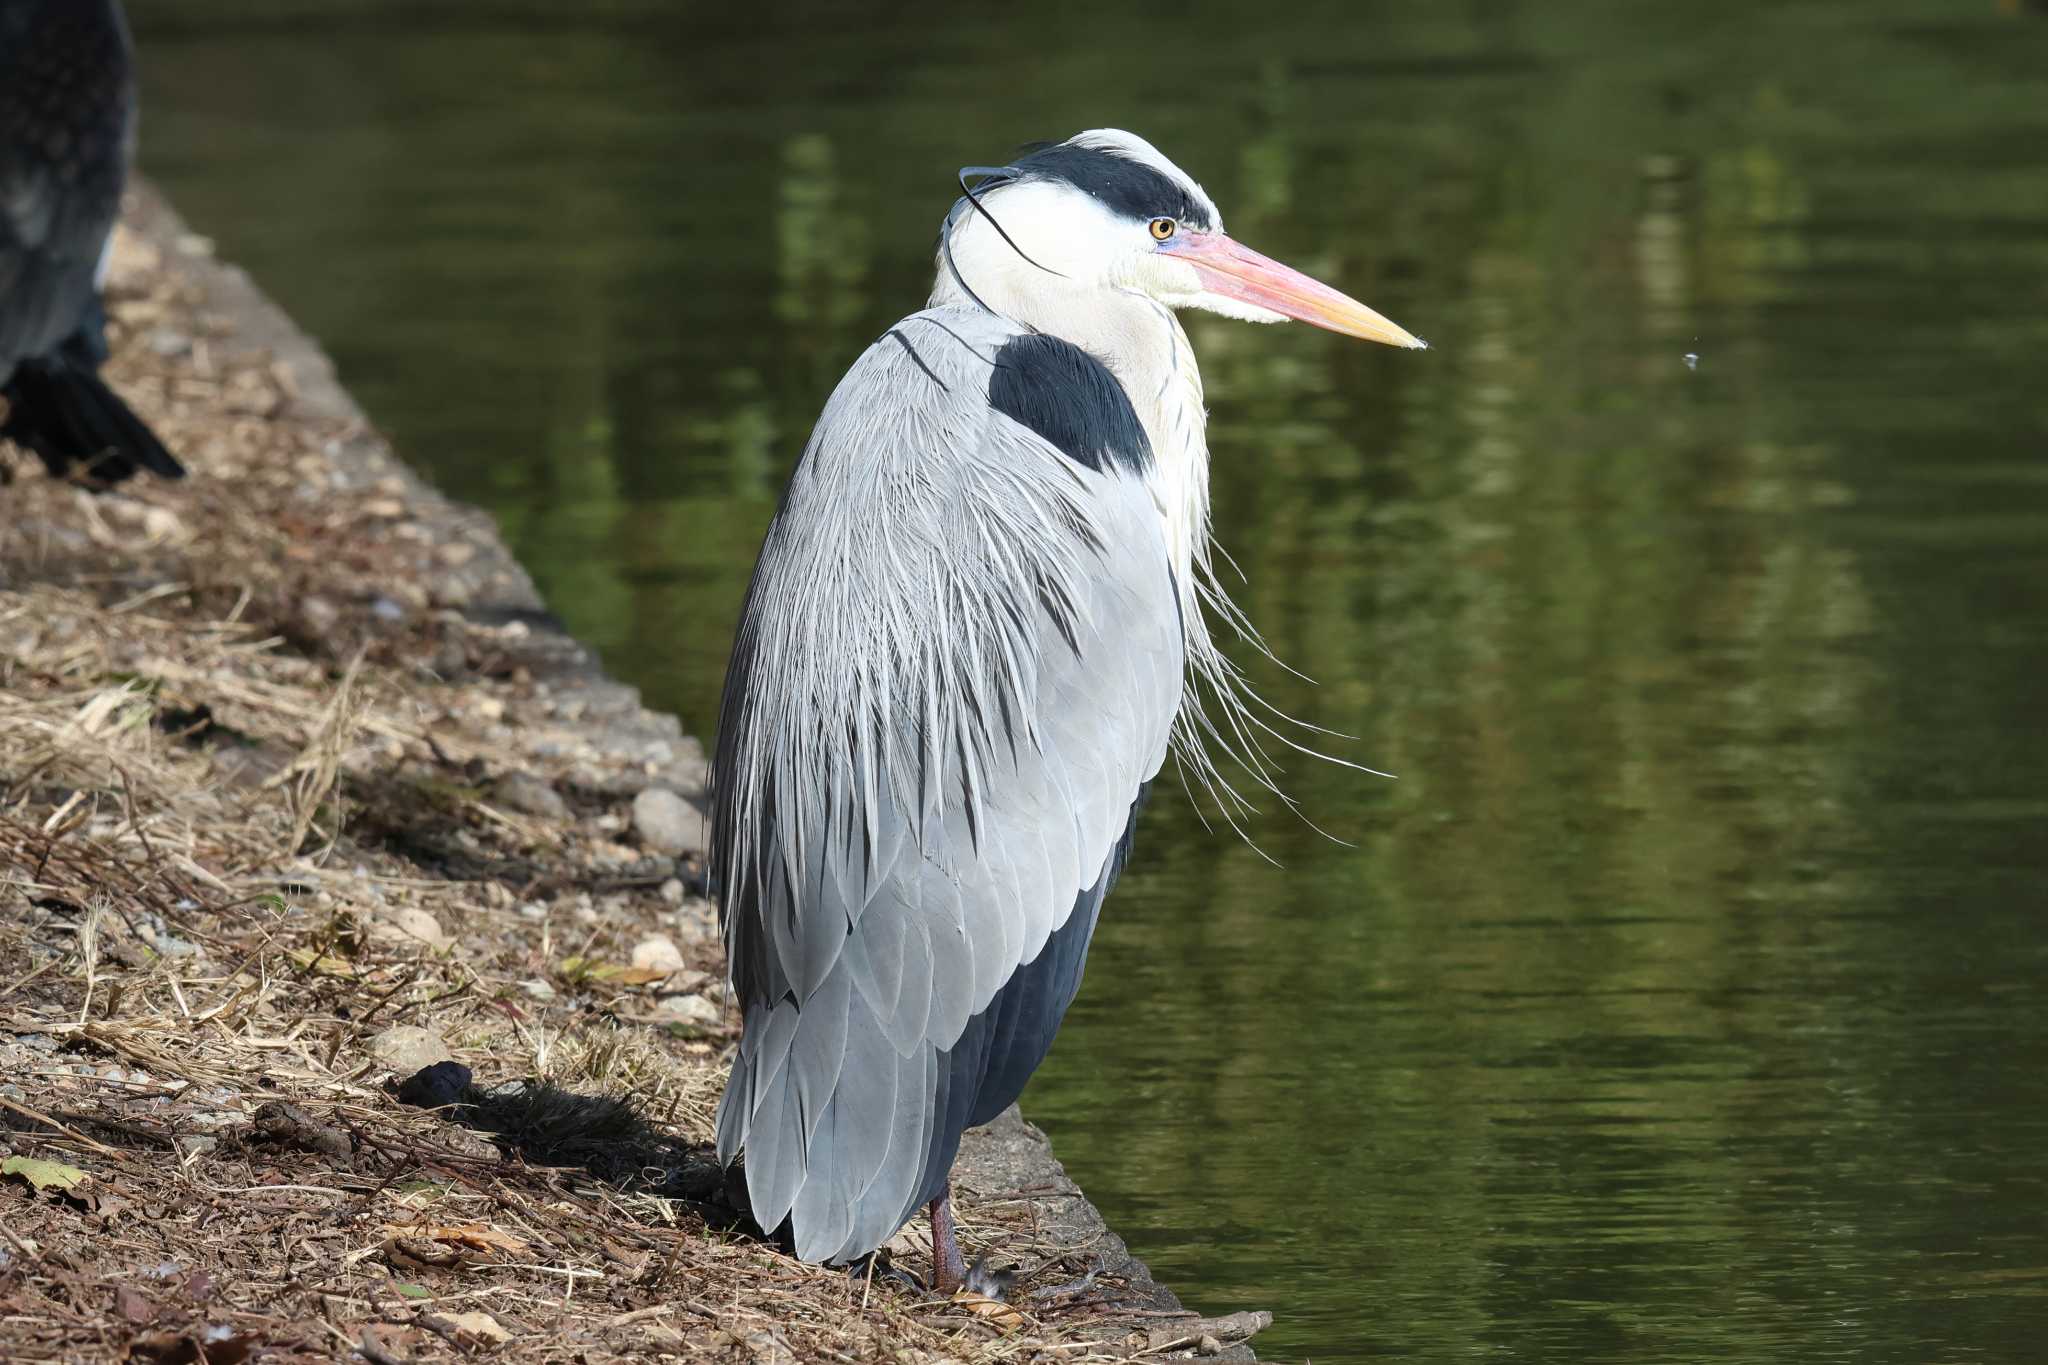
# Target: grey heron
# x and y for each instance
(67, 129)
(977, 628)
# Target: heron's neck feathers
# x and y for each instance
(1145, 347)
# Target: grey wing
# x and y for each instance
(958, 667)
(66, 120)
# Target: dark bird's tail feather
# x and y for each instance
(68, 416)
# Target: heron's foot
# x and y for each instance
(1069, 1288)
(989, 1282)
(879, 1266)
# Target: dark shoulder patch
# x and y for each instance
(1071, 399)
(1128, 187)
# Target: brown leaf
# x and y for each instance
(421, 1253)
(165, 1348)
(133, 1305)
(290, 1126)
(631, 1260)
(214, 1344)
(478, 1327)
(993, 1311)
(319, 964)
(225, 1346)
(444, 1245)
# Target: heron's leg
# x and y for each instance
(949, 1268)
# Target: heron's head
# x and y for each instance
(1105, 211)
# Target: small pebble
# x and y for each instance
(690, 1009)
(526, 793)
(406, 1048)
(318, 615)
(657, 953)
(450, 658)
(408, 924)
(170, 945)
(696, 921)
(668, 824)
(169, 342)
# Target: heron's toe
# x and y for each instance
(884, 1271)
(1071, 1287)
(987, 1281)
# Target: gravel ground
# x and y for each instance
(302, 791)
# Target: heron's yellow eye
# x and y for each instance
(1162, 228)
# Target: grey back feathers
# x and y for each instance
(959, 664)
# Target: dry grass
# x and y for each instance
(253, 818)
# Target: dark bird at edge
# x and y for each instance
(67, 131)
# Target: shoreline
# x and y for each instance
(495, 767)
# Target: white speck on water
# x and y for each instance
(1692, 360)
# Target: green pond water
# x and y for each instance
(1683, 999)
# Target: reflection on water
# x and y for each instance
(1682, 998)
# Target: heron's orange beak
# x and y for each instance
(1238, 272)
